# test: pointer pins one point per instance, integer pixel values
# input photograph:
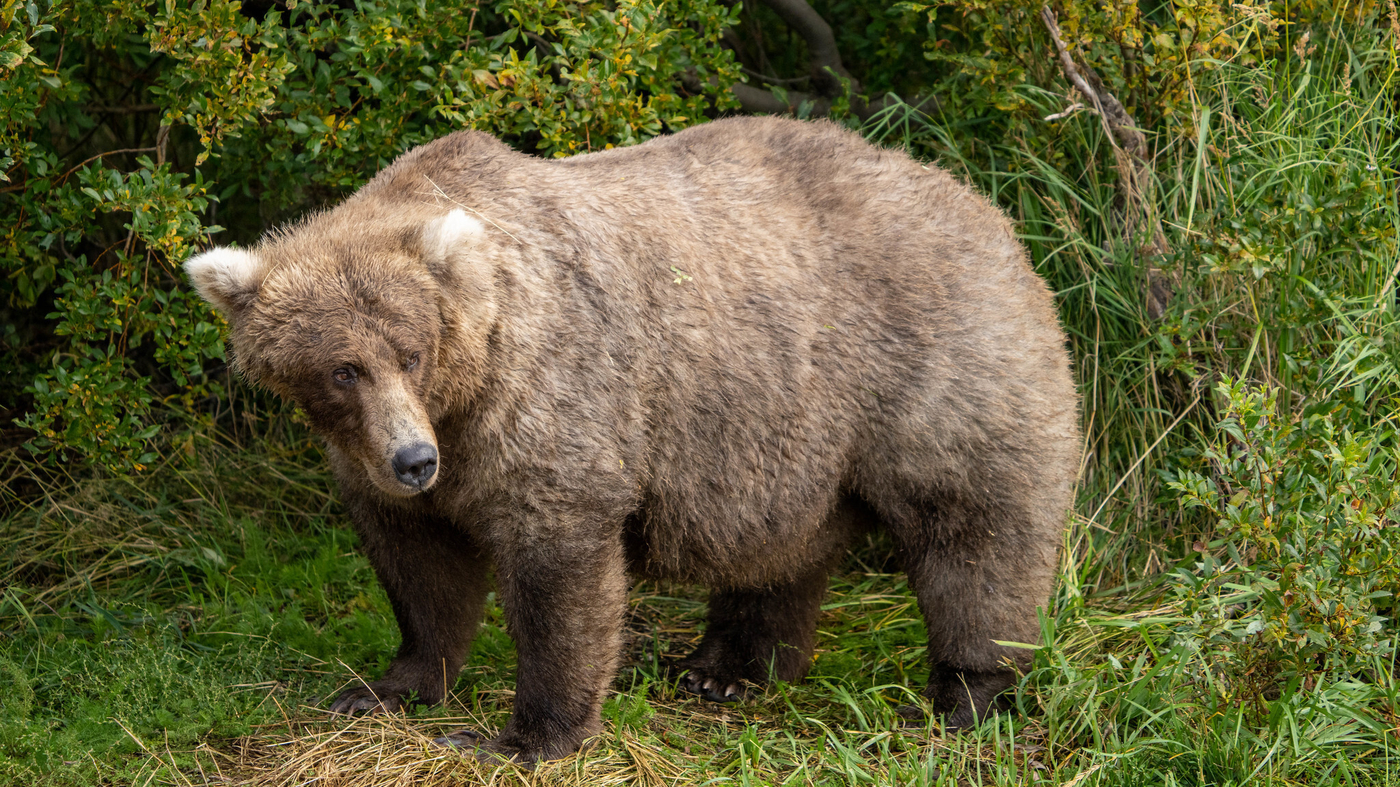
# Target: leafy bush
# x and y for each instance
(1300, 578)
(126, 127)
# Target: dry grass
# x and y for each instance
(393, 750)
(671, 749)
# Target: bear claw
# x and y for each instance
(473, 743)
(710, 688)
(460, 739)
(363, 699)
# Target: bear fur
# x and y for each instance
(715, 357)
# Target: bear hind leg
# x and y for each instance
(755, 635)
(979, 570)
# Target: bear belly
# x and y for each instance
(734, 549)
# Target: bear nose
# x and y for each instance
(416, 464)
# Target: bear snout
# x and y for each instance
(416, 464)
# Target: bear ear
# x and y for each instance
(227, 278)
(445, 238)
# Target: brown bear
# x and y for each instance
(715, 357)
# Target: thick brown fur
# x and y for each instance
(713, 357)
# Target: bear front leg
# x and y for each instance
(565, 598)
(436, 580)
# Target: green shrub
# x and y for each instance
(1299, 579)
(128, 130)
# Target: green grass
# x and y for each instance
(186, 626)
(159, 608)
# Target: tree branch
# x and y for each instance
(1130, 156)
(829, 78)
(772, 80)
(821, 43)
(756, 100)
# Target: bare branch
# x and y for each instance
(757, 100)
(829, 78)
(1120, 127)
(1130, 155)
(162, 137)
(821, 43)
(1071, 70)
(772, 80)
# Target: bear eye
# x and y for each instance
(411, 363)
(345, 375)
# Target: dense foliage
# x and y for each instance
(1226, 609)
(126, 127)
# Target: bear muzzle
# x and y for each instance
(416, 464)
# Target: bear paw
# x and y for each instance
(964, 699)
(526, 751)
(474, 744)
(714, 688)
(912, 717)
(372, 698)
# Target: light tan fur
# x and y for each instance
(714, 357)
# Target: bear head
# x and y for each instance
(373, 324)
